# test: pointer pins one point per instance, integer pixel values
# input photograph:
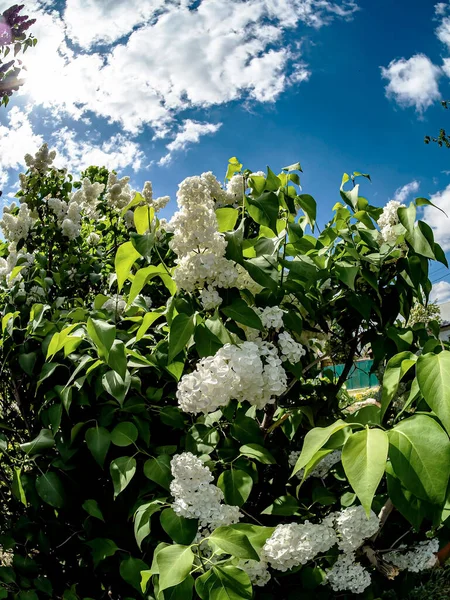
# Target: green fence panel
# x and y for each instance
(359, 376)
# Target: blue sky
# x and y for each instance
(165, 90)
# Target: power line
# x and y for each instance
(440, 278)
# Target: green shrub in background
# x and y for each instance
(167, 431)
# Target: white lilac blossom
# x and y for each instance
(68, 216)
(195, 496)
(236, 187)
(256, 570)
(14, 258)
(249, 372)
(354, 527)
(290, 350)
(348, 575)
(295, 544)
(16, 227)
(321, 469)
(42, 160)
(118, 192)
(221, 196)
(128, 219)
(93, 239)
(116, 304)
(88, 195)
(388, 220)
(156, 203)
(271, 317)
(419, 558)
(210, 298)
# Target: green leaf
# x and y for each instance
(17, 487)
(174, 564)
(43, 441)
(224, 583)
(234, 166)
(309, 207)
(206, 343)
(124, 434)
(364, 458)
(314, 441)
(117, 358)
(27, 362)
(158, 470)
(143, 217)
(433, 375)
(226, 218)
(101, 548)
(143, 243)
(241, 312)
(50, 489)
(419, 450)
(179, 529)
(182, 591)
(142, 517)
(130, 571)
(264, 270)
(125, 258)
(258, 453)
(264, 209)
(181, 330)
(236, 486)
(285, 506)
(396, 368)
(98, 440)
(102, 334)
(233, 542)
(256, 534)
(201, 439)
(347, 274)
(410, 507)
(122, 472)
(142, 276)
(116, 386)
(147, 322)
(246, 430)
(92, 508)
(407, 217)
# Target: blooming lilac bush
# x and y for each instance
(168, 426)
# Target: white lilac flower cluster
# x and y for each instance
(354, 527)
(249, 372)
(42, 160)
(14, 258)
(419, 558)
(210, 298)
(348, 575)
(199, 246)
(115, 304)
(118, 192)
(257, 571)
(93, 239)
(295, 544)
(233, 193)
(388, 220)
(290, 350)
(321, 469)
(196, 497)
(156, 203)
(271, 317)
(16, 227)
(87, 196)
(68, 216)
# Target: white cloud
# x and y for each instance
(189, 133)
(440, 292)
(16, 139)
(413, 81)
(443, 31)
(438, 221)
(116, 153)
(440, 8)
(402, 193)
(178, 57)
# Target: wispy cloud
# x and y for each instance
(402, 193)
(190, 132)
